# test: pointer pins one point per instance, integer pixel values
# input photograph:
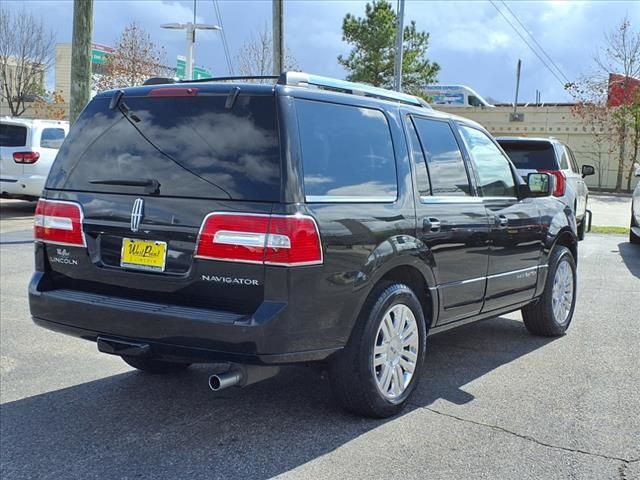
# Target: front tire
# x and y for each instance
(582, 228)
(378, 370)
(633, 238)
(154, 366)
(551, 315)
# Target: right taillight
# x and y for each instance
(59, 222)
(26, 157)
(285, 240)
(560, 183)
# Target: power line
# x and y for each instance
(528, 44)
(536, 42)
(225, 45)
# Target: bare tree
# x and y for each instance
(617, 68)
(27, 50)
(134, 59)
(255, 57)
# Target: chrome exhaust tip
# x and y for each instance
(225, 380)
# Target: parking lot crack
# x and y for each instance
(529, 438)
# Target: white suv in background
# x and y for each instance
(551, 156)
(634, 233)
(27, 150)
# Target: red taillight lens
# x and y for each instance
(560, 183)
(26, 157)
(288, 240)
(59, 222)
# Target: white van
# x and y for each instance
(27, 150)
(455, 96)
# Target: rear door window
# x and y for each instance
(12, 135)
(347, 153)
(52, 138)
(447, 171)
(530, 155)
(191, 145)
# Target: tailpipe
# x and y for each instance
(241, 376)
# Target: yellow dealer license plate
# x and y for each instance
(143, 254)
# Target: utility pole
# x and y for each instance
(81, 57)
(515, 116)
(278, 36)
(399, 34)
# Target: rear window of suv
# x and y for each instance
(347, 153)
(191, 145)
(530, 155)
(12, 135)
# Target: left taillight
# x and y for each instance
(59, 222)
(26, 157)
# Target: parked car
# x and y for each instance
(265, 225)
(552, 156)
(27, 150)
(634, 232)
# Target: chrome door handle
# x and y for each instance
(502, 221)
(431, 225)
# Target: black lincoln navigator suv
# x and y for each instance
(310, 220)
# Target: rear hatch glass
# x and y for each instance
(146, 179)
(530, 155)
(13, 138)
(186, 146)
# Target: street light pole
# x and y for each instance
(191, 40)
(399, 34)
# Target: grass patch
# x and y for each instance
(621, 230)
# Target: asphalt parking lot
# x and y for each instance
(495, 402)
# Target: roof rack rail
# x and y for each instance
(301, 79)
(222, 79)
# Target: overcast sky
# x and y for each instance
(471, 41)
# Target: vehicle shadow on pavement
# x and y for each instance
(631, 257)
(134, 425)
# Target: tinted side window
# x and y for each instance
(12, 135)
(52, 138)
(494, 173)
(564, 158)
(419, 162)
(572, 161)
(444, 160)
(347, 152)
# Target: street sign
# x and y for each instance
(99, 53)
(198, 72)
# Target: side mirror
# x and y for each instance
(588, 170)
(539, 184)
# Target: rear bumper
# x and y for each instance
(176, 333)
(23, 186)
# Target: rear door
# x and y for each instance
(147, 179)
(14, 137)
(515, 229)
(452, 221)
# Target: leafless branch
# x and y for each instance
(27, 50)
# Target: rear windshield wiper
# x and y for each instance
(151, 185)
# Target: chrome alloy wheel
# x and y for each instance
(395, 352)
(562, 295)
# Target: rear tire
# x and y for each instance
(154, 366)
(378, 370)
(551, 315)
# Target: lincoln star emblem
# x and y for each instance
(137, 212)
